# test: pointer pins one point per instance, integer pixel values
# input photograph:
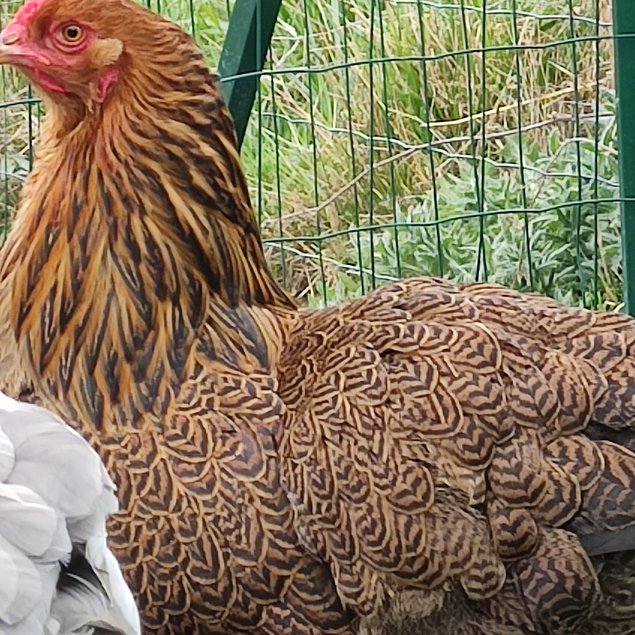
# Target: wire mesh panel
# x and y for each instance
(468, 139)
(472, 139)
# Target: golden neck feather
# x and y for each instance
(135, 235)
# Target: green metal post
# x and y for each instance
(244, 51)
(624, 28)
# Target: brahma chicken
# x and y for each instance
(428, 457)
(57, 576)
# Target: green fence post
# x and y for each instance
(241, 55)
(624, 28)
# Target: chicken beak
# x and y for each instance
(10, 44)
(7, 54)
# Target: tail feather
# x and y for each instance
(615, 615)
(605, 542)
(609, 505)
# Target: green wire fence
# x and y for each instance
(473, 139)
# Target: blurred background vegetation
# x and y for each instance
(473, 139)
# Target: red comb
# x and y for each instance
(26, 12)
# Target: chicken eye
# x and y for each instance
(71, 34)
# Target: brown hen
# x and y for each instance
(430, 457)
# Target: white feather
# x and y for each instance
(44, 446)
(20, 584)
(7, 456)
(26, 521)
(55, 496)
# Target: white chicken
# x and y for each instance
(57, 576)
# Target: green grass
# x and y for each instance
(364, 172)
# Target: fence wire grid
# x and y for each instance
(471, 139)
